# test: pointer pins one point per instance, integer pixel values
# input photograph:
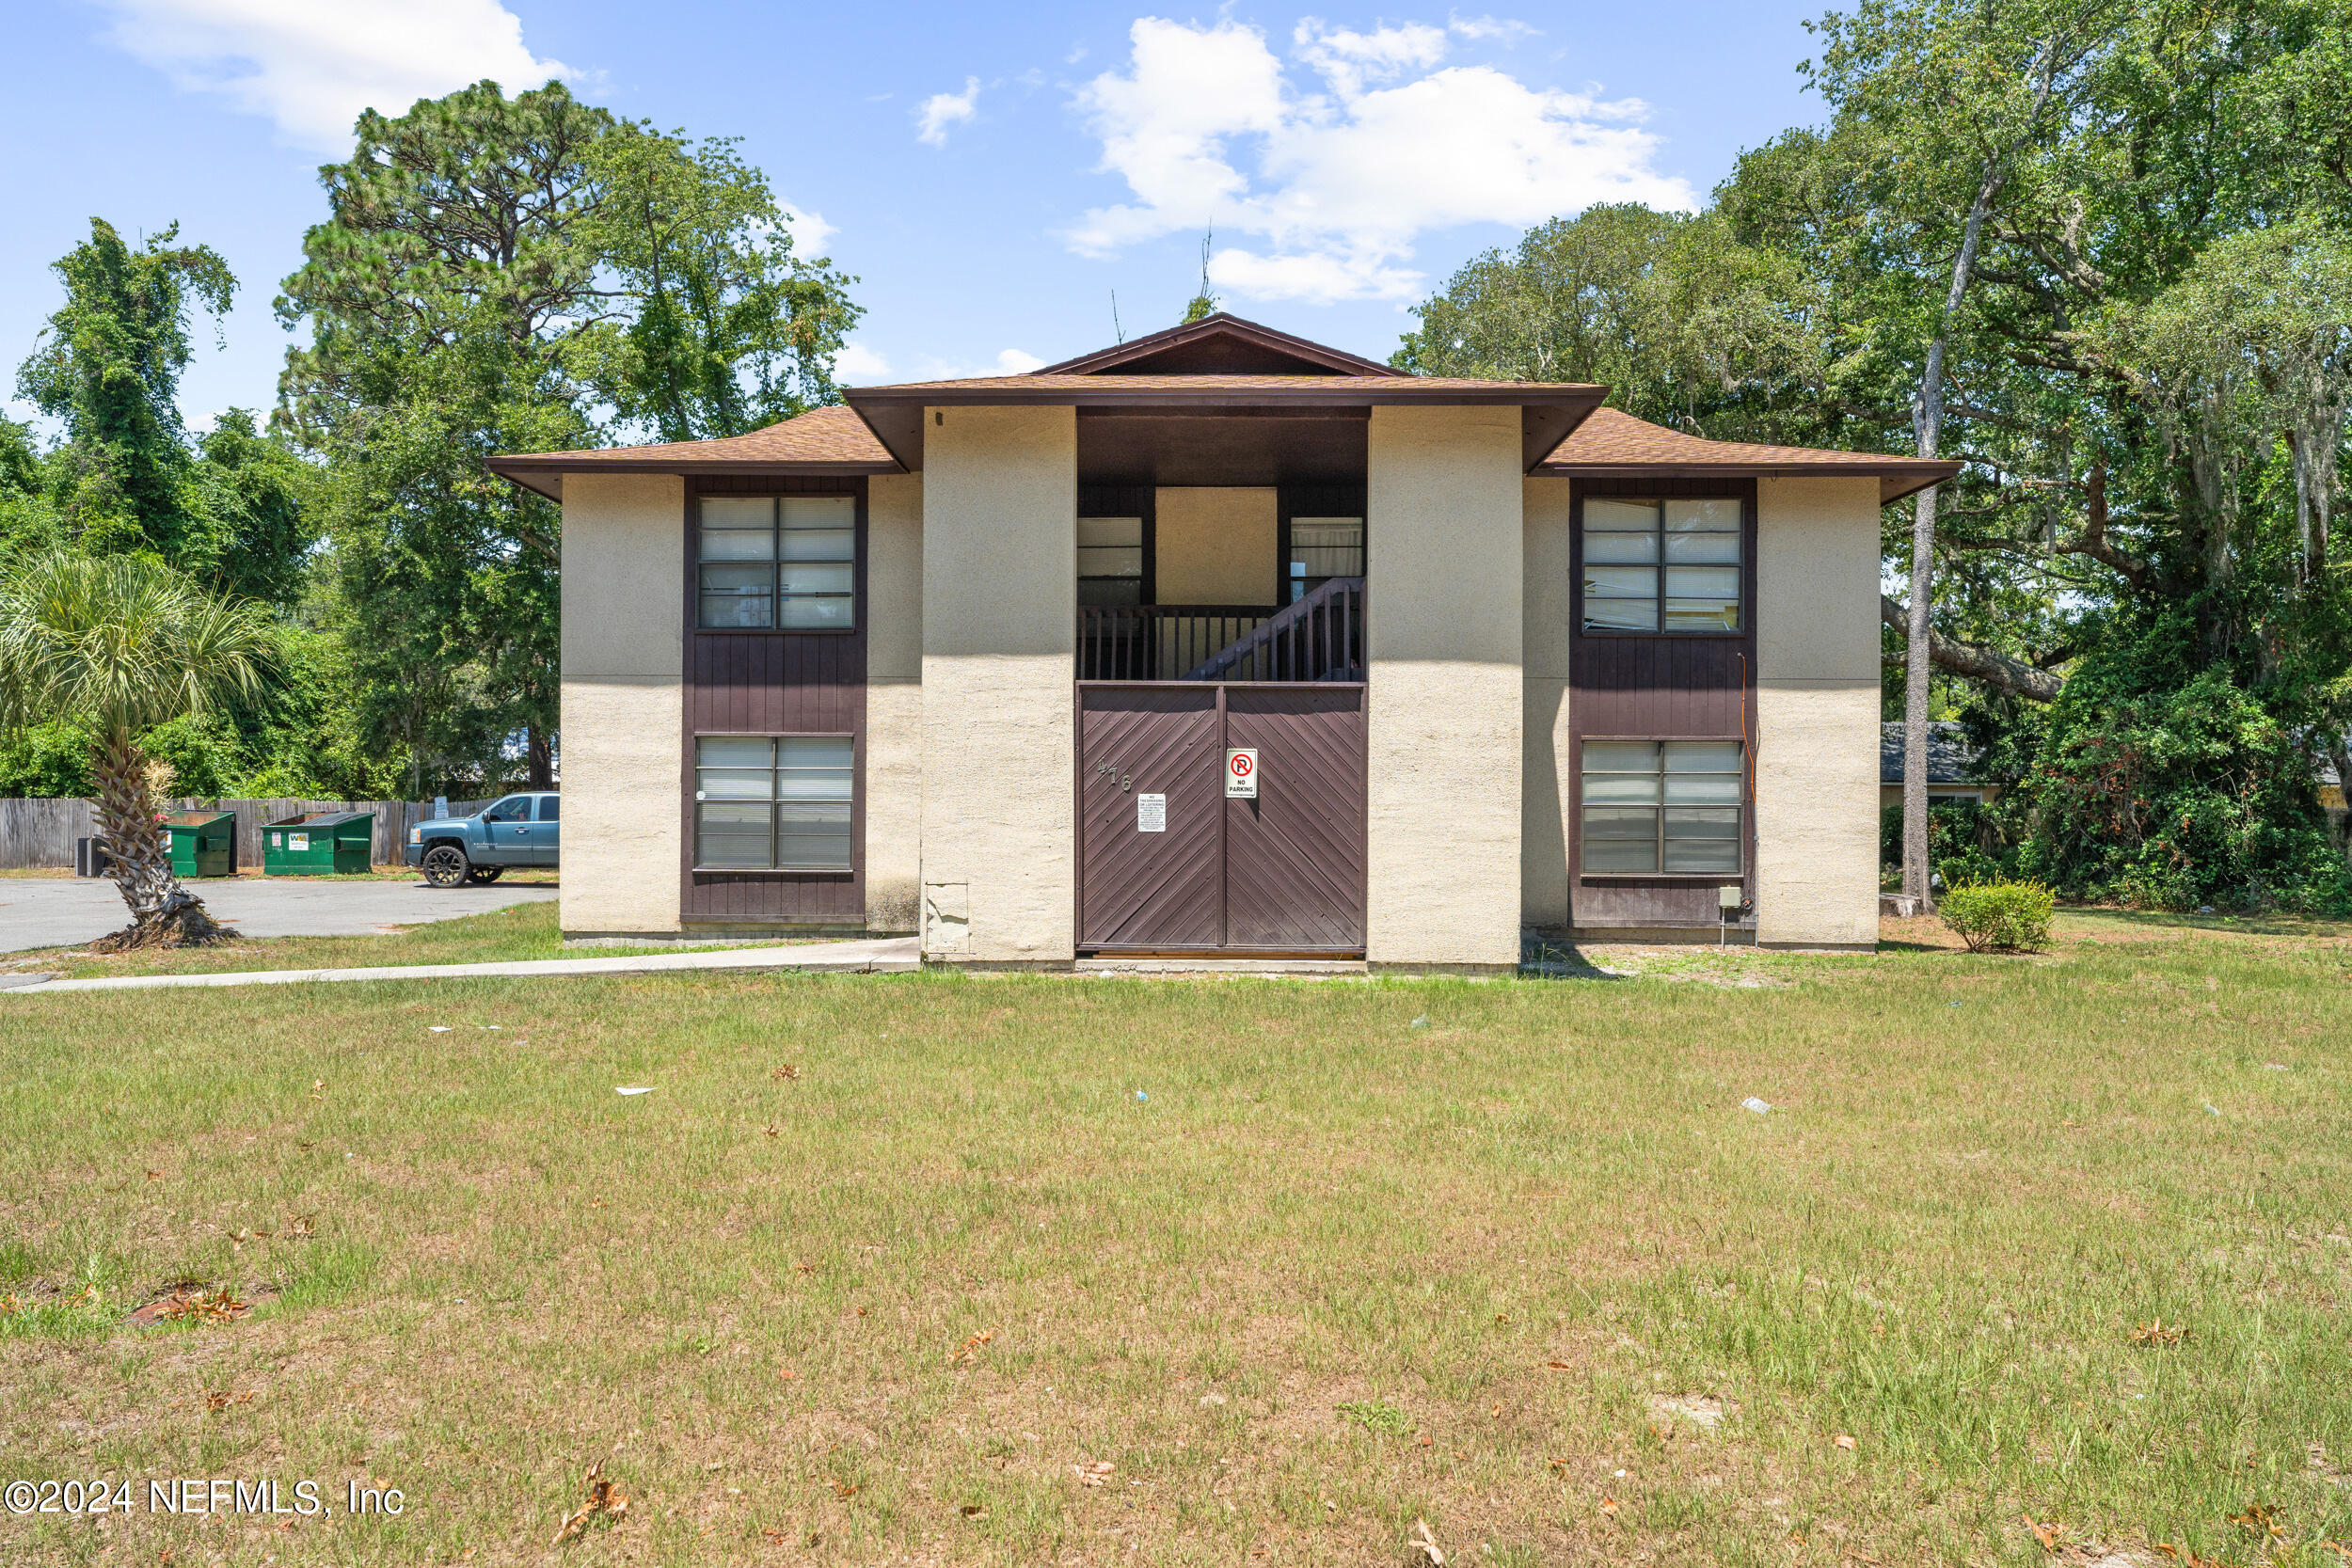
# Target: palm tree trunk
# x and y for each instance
(162, 913)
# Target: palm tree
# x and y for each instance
(126, 643)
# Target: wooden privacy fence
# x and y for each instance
(42, 832)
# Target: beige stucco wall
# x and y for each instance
(621, 662)
(1000, 502)
(894, 701)
(1817, 743)
(1445, 646)
(1213, 544)
(1546, 791)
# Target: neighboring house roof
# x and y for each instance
(1613, 444)
(1951, 760)
(1205, 368)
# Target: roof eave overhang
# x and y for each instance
(1894, 482)
(895, 414)
(544, 475)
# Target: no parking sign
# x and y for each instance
(1240, 773)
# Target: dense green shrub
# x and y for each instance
(1962, 844)
(2165, 785)
(2006, 917)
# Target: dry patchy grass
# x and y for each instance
(1298, 1270)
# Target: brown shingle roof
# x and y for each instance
(832, 440)
(1347, 389)
(1614, 443)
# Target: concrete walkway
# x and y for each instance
(890, 956)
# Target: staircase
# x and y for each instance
(1318, 637)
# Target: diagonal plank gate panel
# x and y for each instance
(1283, 872)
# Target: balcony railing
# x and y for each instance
(1320, 638)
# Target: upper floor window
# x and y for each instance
(778, 563)
(1110, 560)
(1662, 566)
(1323, 548)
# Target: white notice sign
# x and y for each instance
(1240, 773)
(1151, 814)
(301, 841)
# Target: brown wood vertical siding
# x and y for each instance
(1283, 872)
(775, 682)
(1683, 685)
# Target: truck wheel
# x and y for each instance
(445, 865)
(483, 876)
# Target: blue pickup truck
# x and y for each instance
(520, 830)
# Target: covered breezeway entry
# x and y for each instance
(1170, 864)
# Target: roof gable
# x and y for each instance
(1220, 344)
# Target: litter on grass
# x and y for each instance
(1421, 1022)
(2212, 1109)
(643, 1089)
(1751, 1103)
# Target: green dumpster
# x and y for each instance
(203, 843)
(318, 845)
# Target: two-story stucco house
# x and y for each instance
(1221, 644)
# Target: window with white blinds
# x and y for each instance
(774, 803)
(1662, 566)
(1662, 806)
(778, 563)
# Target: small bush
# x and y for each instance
(2004, 917)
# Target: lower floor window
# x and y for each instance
(1661, 806)
(774, 803)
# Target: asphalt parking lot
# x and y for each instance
(68, 912)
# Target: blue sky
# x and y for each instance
(993, 173)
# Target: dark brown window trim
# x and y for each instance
(1687, 879)
(813, 872)
(701, 897)
(775, 631)
(1742, 491)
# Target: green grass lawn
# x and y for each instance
(1298, 1264)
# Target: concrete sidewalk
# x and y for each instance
(889, 956)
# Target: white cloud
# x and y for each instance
(1339, 178)
(809, 230)
(943, 109)
(1481, 27)
(858, 366)
(1350, 59)
(310, 68)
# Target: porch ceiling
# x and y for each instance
(1176, 446)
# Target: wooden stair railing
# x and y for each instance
(1327, 620)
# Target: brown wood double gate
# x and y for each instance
(1193, 871)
